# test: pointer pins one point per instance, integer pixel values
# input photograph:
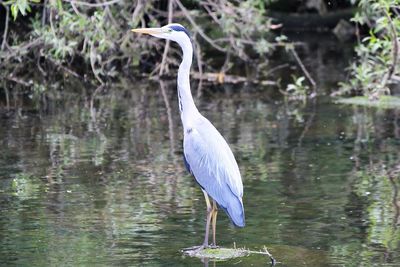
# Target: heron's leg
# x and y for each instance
(214, 221)
(209, 214)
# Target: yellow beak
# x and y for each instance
(149, 30)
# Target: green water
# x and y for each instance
(106, 186)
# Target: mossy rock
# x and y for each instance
(218, 254)
(385, 102)
(288, 255)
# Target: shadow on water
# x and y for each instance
(102, 182)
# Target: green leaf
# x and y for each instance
(22, 6)
(14, 11)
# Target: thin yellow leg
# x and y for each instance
(208, 220)
(214, 221)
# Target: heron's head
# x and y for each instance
(174, 32)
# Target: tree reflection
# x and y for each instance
(102, 177)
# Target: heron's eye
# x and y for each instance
(169, 30)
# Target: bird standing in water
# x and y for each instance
(207, 155)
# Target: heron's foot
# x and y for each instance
(194, 248)
(201, 247)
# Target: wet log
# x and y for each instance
(226, 78)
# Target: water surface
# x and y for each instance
(103, 183)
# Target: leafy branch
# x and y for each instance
(377, 54)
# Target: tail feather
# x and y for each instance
(235, 211)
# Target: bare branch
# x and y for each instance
(135, 13)
(4, 43)
(395, 50)
(303, 68)
(211, 13)
(18, 80)
(44, 12)
(272, 70)
(200, 68)
(92, 63)
(171, 127)
(273, 261)
(166, 48)
(198, 28)
(93, 4)
(61, 66)
(110, 15)
(76, 9)
(51, 22)
(23, 47)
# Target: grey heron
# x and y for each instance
(207, 155)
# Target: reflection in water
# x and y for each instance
(171, 125)
(84, 184)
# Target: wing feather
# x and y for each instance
(214, 167)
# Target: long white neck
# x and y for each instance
(187, 107)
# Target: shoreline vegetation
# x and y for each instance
(47, 41)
